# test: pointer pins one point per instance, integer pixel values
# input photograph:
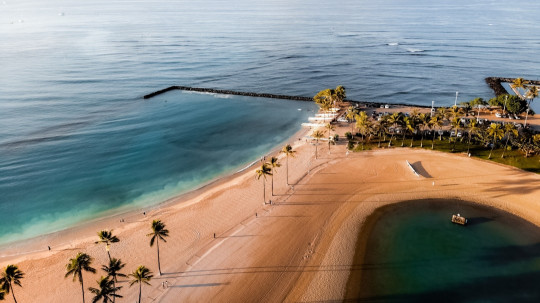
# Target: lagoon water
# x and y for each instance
(415, 254)
(77, 140)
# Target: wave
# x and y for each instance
(392, 43)
(347, 34)
(415, 50)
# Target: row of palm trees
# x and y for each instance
(268, 168)
(416, 122)
(106, 290)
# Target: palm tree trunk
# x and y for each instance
(379, 145)
(114, 292)
(264, 191)
(433, 140)
(109, 253)
(469, 144)
(140, 290)
(287, 170)
(316, 145)
(422, 141)
(390, 142)
(403, 140)
(12, 292)
(82, 285)
(492, 146)
(158, 263)
(506, 144)
(272, 183)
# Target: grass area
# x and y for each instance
(511, 157)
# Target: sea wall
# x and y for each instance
(259, 95)
(498, 89)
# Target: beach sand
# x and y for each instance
(299, 249)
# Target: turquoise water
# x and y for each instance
(77, 140)
(415, 254)
(145, 154)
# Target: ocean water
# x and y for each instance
(415, 254)
(73, 126)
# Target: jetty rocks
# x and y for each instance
(261, 95)
(498, 89)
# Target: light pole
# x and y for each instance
(432, 108)
(455, 102)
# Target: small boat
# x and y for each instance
(458, 219)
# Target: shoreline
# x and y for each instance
(113, 217)
(315, 219)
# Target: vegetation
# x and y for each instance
(10, 275)
(141, 275)
(106, 237)
(77, 265)
(159, 232)
(113, 272)
(264, 171)
(289, 152)
(317, 135)
(519, 146)
(273, 164)
(106, 291)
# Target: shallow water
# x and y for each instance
(150, 152)
(415, 254)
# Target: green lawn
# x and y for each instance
(511, 157)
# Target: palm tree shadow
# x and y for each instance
(420, 169)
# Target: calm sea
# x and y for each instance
(77, 140)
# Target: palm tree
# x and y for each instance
(340, 94)
(107, 238)
(424, 123)
(113, 271)
(363, 124)
(158, 233)
(473, 129)
(532, 93)
(330, 128)
(11, 275)
(494, 131)
(455, 125)
(395, 119)
(509, 130)
(516, 85)
(141, 275)
(350, 114)
(76, 266)
(317, 135)
(106, 291)
(378, 128)
(273, 164)
(288, 151)
(264, 171)
(436, 121)
(325, 99)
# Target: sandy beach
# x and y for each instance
(298, 249)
